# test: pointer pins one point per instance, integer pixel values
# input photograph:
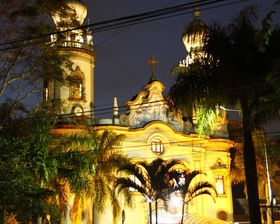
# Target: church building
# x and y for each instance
(150, 129)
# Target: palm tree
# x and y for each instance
(188, 192)
(82, 163)
(104, 153)
(153, 180)
(37, 164)
(59, 160)
(74, 171)
(63, 164)
(234, 72)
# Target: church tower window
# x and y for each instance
(56, 90)
(45, 91)
(219, 182)
(77, 88)
(77, 81)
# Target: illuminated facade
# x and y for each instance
(151, 130)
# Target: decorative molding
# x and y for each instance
(78, 100)
(219, 165)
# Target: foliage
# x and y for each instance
(207, 119)
(36, 167)
(22, 195)
(104, 154)
(64, 164)
(261, 143)
(26, 55)
(198, 81)
(267, 24)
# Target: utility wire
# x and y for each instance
(179, 14)
(123, 21)
(126, 28)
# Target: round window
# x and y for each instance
(157, 147)
(222, 215)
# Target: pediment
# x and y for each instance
(219, 164)
(148, 105)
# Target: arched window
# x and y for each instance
(77, 87)
(46, 91)
(157, 147)
(219, 182)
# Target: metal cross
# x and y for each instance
(153, 63)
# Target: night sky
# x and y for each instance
(121, 67)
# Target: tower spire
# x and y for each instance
(196, 11)
(115, 107)
(116, 119)
(153, 63)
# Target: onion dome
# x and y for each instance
(70, 16)
(194, 32)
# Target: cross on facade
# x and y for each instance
(153, 63)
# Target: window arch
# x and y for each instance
(77, 88)
(220, 174)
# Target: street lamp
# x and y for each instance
(270, 218)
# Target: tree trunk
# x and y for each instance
(3, 215)
(39, 220)
(250, 165)
(95, 213)
(183, 211)
(150, 210)
(156, 210)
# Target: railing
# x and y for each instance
(74, 44)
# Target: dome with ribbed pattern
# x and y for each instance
(71, 16)
(193, 33)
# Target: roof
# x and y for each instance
(200, 219)
(188, 219)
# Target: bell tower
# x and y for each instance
(75, 97)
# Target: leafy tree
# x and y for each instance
(43, 164)
(22, 194)
(16, 178)
(267, 25)
(155, 180)
(82, 163)
(261, 143)
(27, 57)
(234, 72)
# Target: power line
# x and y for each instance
(124, 21)
(125, 28)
